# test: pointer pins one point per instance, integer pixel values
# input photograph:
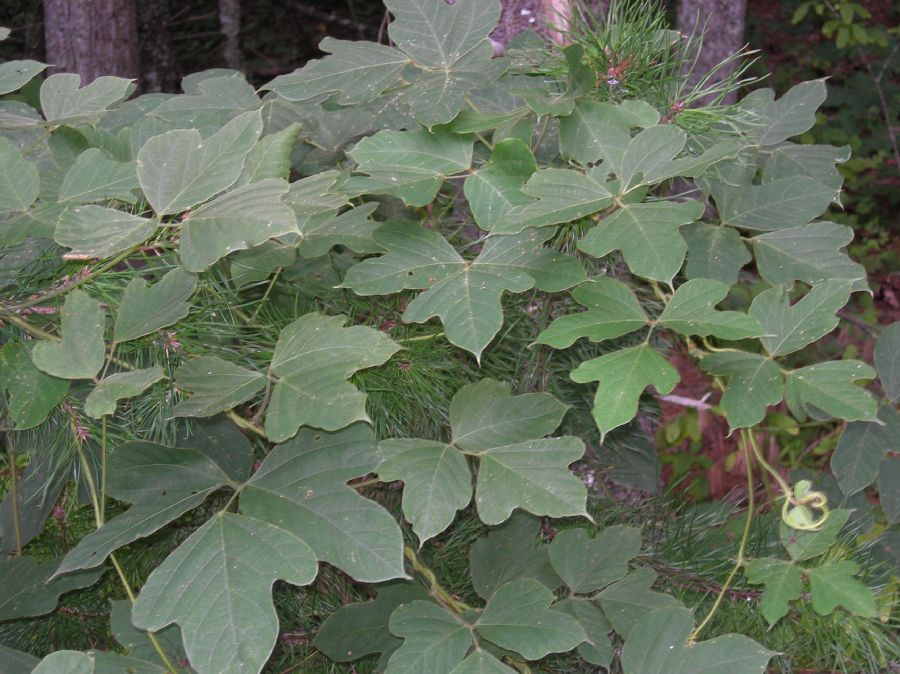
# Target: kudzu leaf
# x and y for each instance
(136, 642)
(861, 448)
(38, 487)
(789, 328)
(510, 552)
(623, 376)
(217, 586)
(353, 229)
(29, 588)
(217, 385)
(270, 158)
(32, 394)
(649, 152)
(434, 640)
(816, 161)
(754, 383)
(410, 165)
(358, 71)
(803, 545)
(647, 234)
(211, 99)
(16, 74)
(658, 645)
(145, 309)
(106, 395)
(465, 295)
(494, 189)
(98, 232)
(95, 177)
(19, 662)
(597, 649)
(94, 662)
(179, 169)
(81, 352)
(436, 97)
(888, 479)
(780, 204)
(314, 357)
(714, 252)
(833, 585)
(586, 564)
(162, 482)
(361, 628)
(258, 263)
(613, 311)
(783, 584)
(597, 131)
(63, 99)
(302, 487)
(790, 115)
(887, 360)
(829, 387)
(626, 601)
(691, 311)
(518, 617)
(811, 253)
(245, 217)
(482, 662)
(19, 181)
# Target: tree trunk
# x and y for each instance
(230, 22)
(92, 37)
(550, 18)
(722, 24)
(157, 61)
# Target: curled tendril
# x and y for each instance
(799, 504)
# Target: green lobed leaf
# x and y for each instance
(777, 205)
(691, 311)
(790, 115)
(597, 650)
(145, 308)
(623, 376)
(270, 158)
(494, 189)
(648, 153)
(861, 448)
(830, 388)
(353, 229)
(63, 99)
(16, 74)
(626, 601)
(754, 383)
(434, 640)
(816, 161)
(136, 642)
(81, 352)
(95, 177)
(587, 564)
(102, 400)
(714, 252)
(98, 232)
(217, 385)
(803, 545)
(647, 234)
(217, 586)
(19, 180)
(888, 479)
(597, 131)
(32, 394)
(887, 360)
(18, 662)
(30, 590)
(481, 662)
(518, 617)
(833, 585)
(783, 584)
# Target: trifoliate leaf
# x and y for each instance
(270, 158)
(658, 645)
(302, 487)
(613, 311)
(95, 177)
(647, 234)
(887, 360)
(754, 383)
(803, 545)
(714, 252)
(95, 231)
(600, 131)
(106, 395)
(811, 253)
(790, 328)
(465, 295)
(162, 482)
(179, 169)
(63, 101)
(691, 311)
(237, 220)
(780, 204)
(623, 376)
(434, 640)
(783, 584)
(217, 586)
(410, 165)
(833, 585)
(81, 352)
(494, 189)
(32, 394)
(19, 181)
(145, 309)
(217, 385)
(587, 564)
(863, 444)
(16, 74)
(790, 115)
(358, 71)
(482, 662)
(314, 357)
(597, 650)
(30, 589)
(628, 600)
(829, 387)
(510, 552)
(518, 617)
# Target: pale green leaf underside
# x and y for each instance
(16, 74)
(783, 584)
(103, 399)
(145, 308)
(829, 387)
(19, 181)
(81, 352)
(95, 231)
(216, 385)
(62, 99)
(95, 177)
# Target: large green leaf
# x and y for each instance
(647, 234)
(714, 252)
(754, 383)
(217, 385)
(16, 74)
(237, 220)
(783, 584)
(623, 376)
(37, 489)
(613, 311)
(803, 545)
(145, 309)
(353, 229)
(102, 400)
(313, 358)
(888, 479)
(217, 586)
(780, 204)
(829, 387)
(628, 600)
(270, 157)
(434, 640)
(790, 115)
(658, 645)
(887, 360)
(790, 328)
(81, 352)
(816, 161)
(95, 231)
(95, 177)
(518, 617)
(691, 311)
(863, 444)
(179, 169)
(600, 131)
(137, 643)
(482, 662)
(597, 650)
(32, 394)
(832, 585)
(19, 662)
(464, 294)
(494, 189)
(19, 181)
(95, 662)
(63, 101)
(29, 588)
(587, 564)
(302, 487)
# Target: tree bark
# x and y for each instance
(722, 25)
(547, 17)
(230, 23)
(92, 37)
(157, 60)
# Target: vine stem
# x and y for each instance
(434, 585)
